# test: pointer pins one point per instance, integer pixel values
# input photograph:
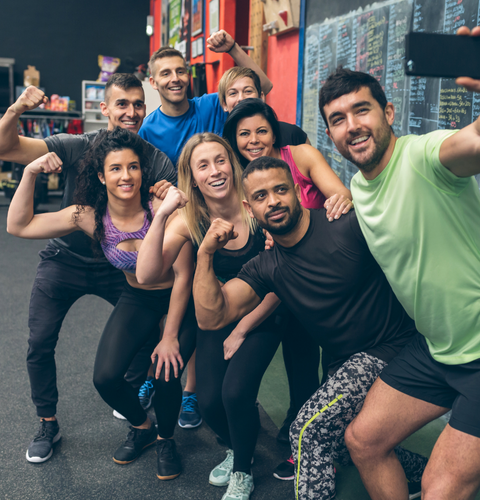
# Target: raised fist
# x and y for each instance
(220, 41)
(218, 235)
(174, 199)
(30, 99)
(49, 164)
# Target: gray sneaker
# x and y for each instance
(220, 475)
(240, 486)
(41, 448)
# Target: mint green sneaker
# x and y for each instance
(240, 487)
(220, 475)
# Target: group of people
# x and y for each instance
(259, 244)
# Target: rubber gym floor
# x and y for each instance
(81, 467)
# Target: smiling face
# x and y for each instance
(170, 78)
(211, 170)
(254, 137)
(240, 89)
(360, 128)
(122, 174)
(124, 108)
(273, 200)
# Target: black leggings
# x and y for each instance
(227, 390)
(133, 324)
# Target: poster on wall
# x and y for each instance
(174, 21)
(186, 28)
(197, 17)
(213, 16)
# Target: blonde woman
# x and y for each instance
(230, 362)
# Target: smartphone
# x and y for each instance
(447, 56)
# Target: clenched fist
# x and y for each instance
(30, 99)
(174, 199)
(218, 235)
(49, 163)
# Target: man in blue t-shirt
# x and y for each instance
(178, 118)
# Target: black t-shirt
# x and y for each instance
(292, 135)
(71, 149)
(333, 285)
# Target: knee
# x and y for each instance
(104, 381)
(359, 444)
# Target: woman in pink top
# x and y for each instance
(253, 131)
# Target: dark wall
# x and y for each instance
(64, 38)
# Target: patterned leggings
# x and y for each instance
(321, 423)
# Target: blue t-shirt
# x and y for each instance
(170, 133)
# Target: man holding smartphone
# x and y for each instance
(419, 209)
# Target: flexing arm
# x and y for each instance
(216, 306)
(460, 153)
(168, 350)
(21, 220)
(312, 164)
(21, 150)
(221, 41)
(161, 247)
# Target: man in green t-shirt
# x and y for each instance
(419, 209)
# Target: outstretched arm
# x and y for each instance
(22, 150)
(460, 153)
(168, 350)
(312, 164)
(161, 247)
(216, 306)
(21, 220)
(221, 41)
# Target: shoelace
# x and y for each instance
(42, 432)
(145, 389)
(291, 460)
(236, 484)
(228, 462)
(165, 449)
(189, 402)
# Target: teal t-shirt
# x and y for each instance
(422, 225)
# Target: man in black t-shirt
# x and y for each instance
(68, 269)
(325, 274)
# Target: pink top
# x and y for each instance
(312, 197)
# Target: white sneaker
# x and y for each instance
(220, 475)
(118, 415)
(240, 487)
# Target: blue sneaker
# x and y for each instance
(146, 393)
(189, 416)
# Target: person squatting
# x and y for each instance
(260, 244)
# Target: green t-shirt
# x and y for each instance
(422, 225)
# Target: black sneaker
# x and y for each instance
(414, 490)
(168, 462)
(41, 448)
(285, 471)
(137, 441)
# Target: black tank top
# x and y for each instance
(227, 263)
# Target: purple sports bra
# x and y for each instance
(122, 259)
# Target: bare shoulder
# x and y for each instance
(176, 224)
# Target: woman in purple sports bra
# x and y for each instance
(252, 129)
(115, 209)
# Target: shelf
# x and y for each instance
(93, 100)
(96, 121)
(48, 113)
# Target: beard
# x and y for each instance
(286, 225)
(381, 142)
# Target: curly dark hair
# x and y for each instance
(90, 192)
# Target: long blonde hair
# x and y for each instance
(195, 214)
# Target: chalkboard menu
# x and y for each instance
(371, 39)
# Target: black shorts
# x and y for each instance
(416, 373)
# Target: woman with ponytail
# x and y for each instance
(114, 208)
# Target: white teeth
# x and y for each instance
(218, 183)
(175, 88)
(359, 139)
(254, 150)
(130, 123)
